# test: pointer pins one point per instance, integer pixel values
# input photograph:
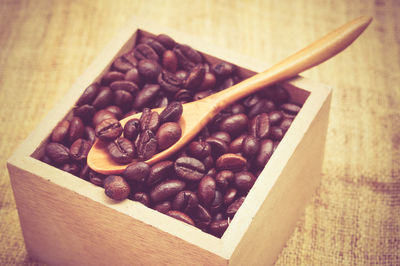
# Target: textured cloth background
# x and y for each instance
(354, 217)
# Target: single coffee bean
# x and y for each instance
(123, 99)
(170, 61)
(166, 189)
(265, 152)
(230, 196)
(188, 58)
(218, 228)
(222, 136)
(71, 168)
(199, 149)
(79, 150)
(209, 163)
(85, 112)
(230, 161)
(58, 153)
(147, 145)
(146, 96)
(244, 180)
(275, 117)
(290, 109)
(251, 100)
(121, 150)
(250, 146)
(124, 63)
(149, 120)
(172, 113)
(234, 124)
(90, 134)
(195, 78)
(133, 76)
(165, 40)
(180, 216)
(206, 190)
(116, 187)
(144, 51)
(109, 129)
(60, 132)
(111, 76)
(223, 69)
(149, 70)
(163, 207)
(224, 178)
(167, 134)
(236, 145)
(183, 96)
(142, 197)
(259, 126)
(169, 82)
(138, 172)
(96, 178)
(208, 82)
(218, 146)
(262, 106)
(76, 129)
(285, 124)
(124, 85)
(276, 93)
(100, 116)
(185, 201)
(84, 173)
(202, 217)
(233, 208)
(132, 129)
(157, 46)
(276, 133)
(159, 172)
(103, 99)
(89, 94)
(189, 168)
(217, 203)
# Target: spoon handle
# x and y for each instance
(312, 55)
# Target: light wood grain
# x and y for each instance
(353, 218)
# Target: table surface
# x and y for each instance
(353, 218)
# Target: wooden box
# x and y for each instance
(69, 221)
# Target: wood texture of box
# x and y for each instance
(66, 220)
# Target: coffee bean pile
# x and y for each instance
(203, 184)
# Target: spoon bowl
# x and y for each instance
(197, 114)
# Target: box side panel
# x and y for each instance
(63, 227)
(278, 214)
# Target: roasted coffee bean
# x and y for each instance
(199, 149)
(149, 70)
(58, 153)
(79, 150)
(90, 134)
(96, 178)
(234, 124)
(276, 93)
(133, 76)
(222, 136)
(157, 46)
(188, 58)
(244, 180)
(172, 113)
(217, 203)
(236, 145)
(109, 129)
(168, 134)
(124, 63)
(251, 100)
(275, 117)
(123, 99)
(132, 129)
(142, 197)
(84, 173)
(89, 94)
(223, 69)
(231, 162)
(180, 216)
(202, 217)
(121, 150)
(195, 78)
(290, 109)
(104, 98)
(146, 96)
(167, 189)
(218, 228)
(233, 208)
(144, 51)
(162, 101)
(250, 146)
(237, 109)
(60, 132)
(115, 110)
(208, 82)
(276, 133)
(138, 172)
(218, 146)
(70, 168)
(209, 163)
(265, 152)
(185, 201)
(159, 172)
(149, 120)
(259, 126)
(76, 129)
(85, 112)
(165, 40)
(206, 190)
(112, 76)
(163, 207)
(170, 61)
(230, 196)
(189, 168)
(285, 124)
(147, 145)
(262, 106)
(116, 187)
(183, 96)
(124, 85)
(102, 115)
(169, 82)
(224, 178)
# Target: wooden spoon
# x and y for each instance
(197, 114)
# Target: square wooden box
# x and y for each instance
(69, 221)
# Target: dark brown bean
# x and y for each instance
(244, 180)
(60, 132)
(149, 70)
(103, 98)
(218, 146)
(90, 134)
(290, 108)
(276, 133)
(185, 201)
(218, 228)
(111, 76)
(223, 69)
(96, 178)
(236, 145)
(142, 197)
(265, 152)
(149, 120)
(132, 129)
(171, 113)
(109, 129)
(230, 161)
(189, 168)
(89, 94)
(170, 61)
(224, 178)
(146, 145)
(157, 46)
(202, 217)
(206, 190)
(167, 134)
(222, 136)
(276, 93)
(145, 51)
(121, 150)
(230, 196)
(250, 146)
(217, 203)
(76, 129)
(169, 82)
(285, 124)
(234, 124)
(259, 126)
(262, 106)
(133, 76)
(163, 207)
(188, 58)
(233, 208)
(58, 153)
(100, 116)
(138, 172)
(208, 82)
(85, 112)
(123, 99)
(199, 149)
(116, 187)
(159, 172)
(167, 189)
(79, 150)
(124, 85)
(146, 96)
(195, 78)
(180, 216)
(165, 40)
(71, 168)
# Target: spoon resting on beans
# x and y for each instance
(197, 114)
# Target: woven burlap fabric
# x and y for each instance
(354, 216)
